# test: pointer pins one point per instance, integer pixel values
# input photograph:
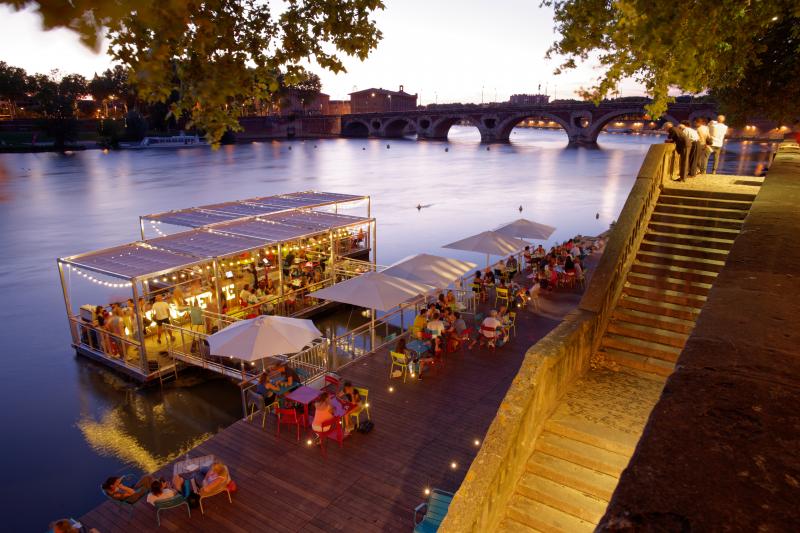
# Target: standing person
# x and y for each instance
(704, 148)
(717, 130)
(693, 145)
(677, 137)
(161, 315)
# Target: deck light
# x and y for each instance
(391, 389)
(477, 442)
(309, 442)
(427, 491)
(453, 465)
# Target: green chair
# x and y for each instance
(399, 361)
(435, 511)
(171, 503)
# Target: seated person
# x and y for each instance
(436, 326)
(114, 487)
(520, 297)
(349, 394)
(289, 376)
(160, 489)
(266, 388)
(489, 328)
(511, 263)
(323, 414)
(245, 295)
(527, 256)
(450, 300)
(209, 481)
(420, 321)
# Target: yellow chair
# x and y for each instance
(500, 294)
(221, 488)
(399, 361)
(512, 325)
(363, 406)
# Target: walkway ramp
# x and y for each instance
(587, 442)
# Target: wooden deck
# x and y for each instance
(374, 481)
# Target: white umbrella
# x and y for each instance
(526, 229)
(373, 290)
(262, 337)
(489, 243)
(430, 269)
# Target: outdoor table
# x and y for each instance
(418, 347)
(303, 395)
(189, 467)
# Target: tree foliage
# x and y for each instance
(218, 54)
(717, 45)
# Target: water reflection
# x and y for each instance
(66, 411)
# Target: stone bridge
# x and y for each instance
(583, 122)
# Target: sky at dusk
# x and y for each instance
(443, 50)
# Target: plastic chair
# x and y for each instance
(399, 361)
(513, 322)
(222, 488)
(332, 384)
(362, 407)
(500, 294)
(323, 436)
(435, 510)
(176, 501)
(491, 341)
(121, 503)
(289, 417)
(256, 403)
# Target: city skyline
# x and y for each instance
(469, 56)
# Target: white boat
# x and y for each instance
(175, 141)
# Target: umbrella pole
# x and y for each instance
(372, 329)
(487, 260)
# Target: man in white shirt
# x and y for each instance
(704, 146)
(717, 130)
(161, 316)
(489, 325)
(693, 145)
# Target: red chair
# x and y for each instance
(332, 384)
(335, 432)
(290, 418)
(490, 341)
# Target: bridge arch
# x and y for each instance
(597, 125)
(439, 128)
(396, 127)
(505, 127)
(355, 128)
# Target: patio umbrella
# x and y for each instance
(262, 337)
(523, 228)
(489, 243)
(373, 290)
(430, 269)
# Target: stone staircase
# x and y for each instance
(585, 445)
(688, 239)
(588, 441)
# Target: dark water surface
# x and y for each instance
(68, 423)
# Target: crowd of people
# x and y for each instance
(696, 145)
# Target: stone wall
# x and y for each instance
(551, 365)
(720, 450)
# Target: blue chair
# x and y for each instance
(122, 503)
(176, 501)
(435, 511)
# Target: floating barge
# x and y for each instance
(212, 264)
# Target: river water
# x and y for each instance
(69, 423)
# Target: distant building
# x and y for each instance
(338, 107)
(529, 99)
(381, 101)
(292, 104)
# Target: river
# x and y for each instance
(69, 423)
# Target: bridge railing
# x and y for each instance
(552, 365)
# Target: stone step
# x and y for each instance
(590, 481)
(699, 193)
(668, 271)
(704, 222)
(695, 230)
(509, 525)
(671, 284)
(664, 310)
(545, 518)
(643, 347)
(657, 258)
(561, 497)
(722, 203)
(706, 212)
(670, 296)
(629, 316)
(688, 240)
(683, 250)
(562, 422)
(583, 454)
(638, 362)
(647, 333)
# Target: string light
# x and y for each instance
(153, 225)
(98, 281)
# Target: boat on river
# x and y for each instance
(174, 141)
